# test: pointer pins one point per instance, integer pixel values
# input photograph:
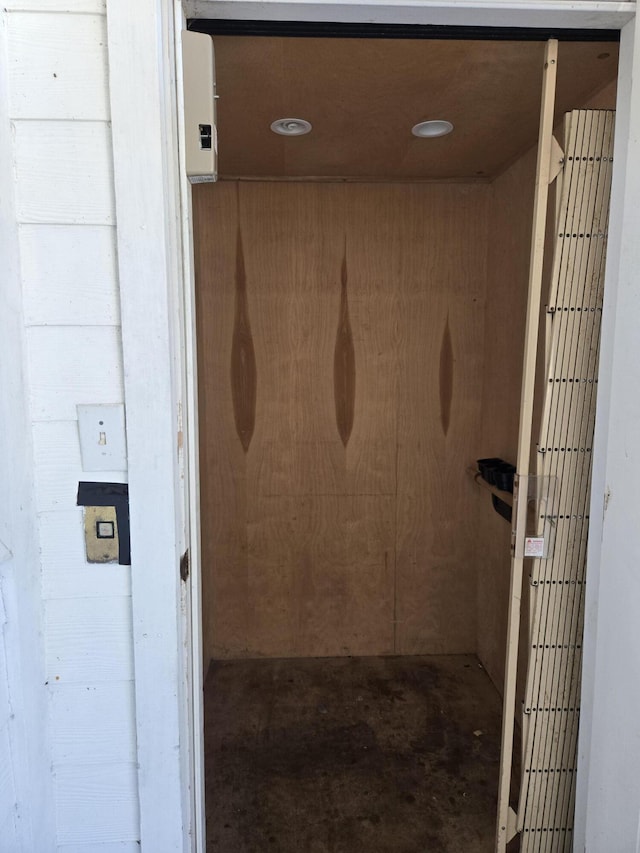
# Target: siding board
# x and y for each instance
(94, 724)
(88, 641)
(69, 366)
(69, 275)
(57, 66)
(64, 172)
(109, 847)
(8, 829)
(77, 6)
(5, 704)
(8, 840)
(96, 803)
(58, 467)
(58, 99)
(65, 571)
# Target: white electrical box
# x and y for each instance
(103, 442)
(199, 90)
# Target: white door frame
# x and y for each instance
(156, 285)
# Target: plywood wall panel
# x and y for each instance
(511, 213)
(442, 322)
(343, 295)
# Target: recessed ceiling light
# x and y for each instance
(291, 126)
(438, 127)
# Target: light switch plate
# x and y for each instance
(103, 442)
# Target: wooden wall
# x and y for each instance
(340, 336)
(506, 304)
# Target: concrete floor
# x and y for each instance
(347, 755)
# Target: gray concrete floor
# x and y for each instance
(347, 755)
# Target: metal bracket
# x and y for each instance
(556, 160)
(512, 824)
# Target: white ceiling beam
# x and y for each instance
(572, 14)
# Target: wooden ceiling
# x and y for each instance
(363, 96)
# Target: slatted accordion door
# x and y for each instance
(551, 710)
(558, 492)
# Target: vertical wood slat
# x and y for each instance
(541, 195)
(545, 813)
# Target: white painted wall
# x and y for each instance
(8, 793)
(61, 164)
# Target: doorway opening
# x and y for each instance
(361, 303)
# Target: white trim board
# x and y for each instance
(584, 14)
(194, 662)
(607, 813)
(147, 200)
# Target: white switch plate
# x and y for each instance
(103, 442)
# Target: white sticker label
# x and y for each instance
(534, 546)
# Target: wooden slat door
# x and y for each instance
(551, 709)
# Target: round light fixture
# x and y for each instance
(291, 126)
(428, 129)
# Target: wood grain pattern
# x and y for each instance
(310, 546)
(363, 128)
(507, 286)
(243, 359)
(443, 275)
(344, 363)
(446, 378)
